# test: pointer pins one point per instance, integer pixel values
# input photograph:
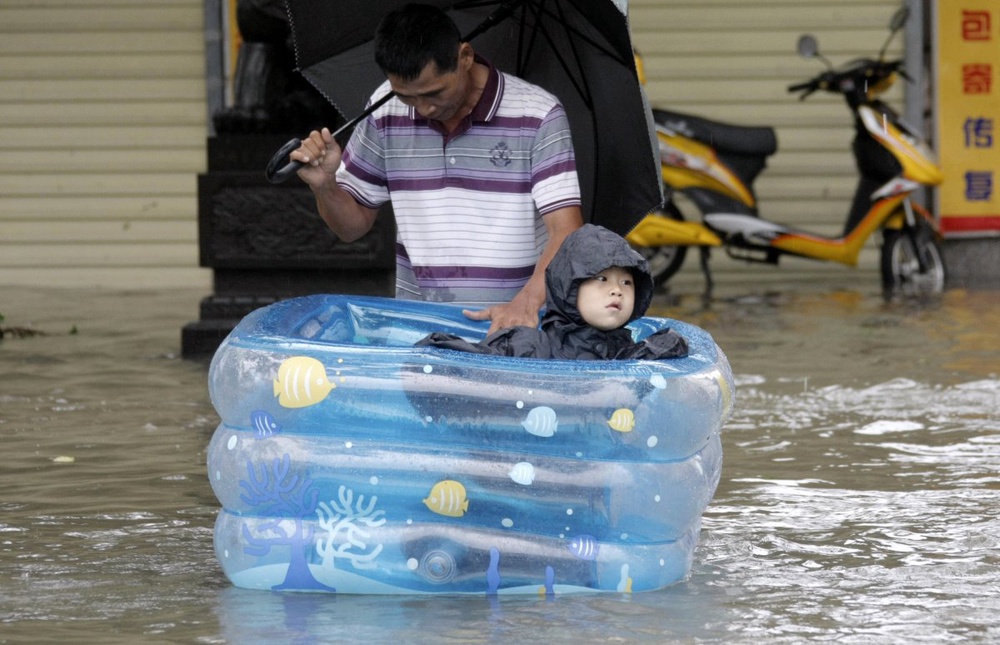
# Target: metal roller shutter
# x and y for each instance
(104, 123)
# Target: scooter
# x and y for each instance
(715, 164)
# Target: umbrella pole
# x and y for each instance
(499, 14)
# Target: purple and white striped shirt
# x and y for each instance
(468, 205)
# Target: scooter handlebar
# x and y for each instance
(860, 71)
(808, 87)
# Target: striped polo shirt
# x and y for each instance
(469, 204)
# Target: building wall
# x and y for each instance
(103, 123)
(102, 106)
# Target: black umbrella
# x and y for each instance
(580, 50)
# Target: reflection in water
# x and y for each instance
(251, 616)
(859, 502)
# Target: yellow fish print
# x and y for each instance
(724, 389)
(448, 498)
(301, 382)
(623, 420)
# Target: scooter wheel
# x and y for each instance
(903, 253)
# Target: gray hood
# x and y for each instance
(584, 253)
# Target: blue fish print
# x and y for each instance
(584, 547)
(265, 424)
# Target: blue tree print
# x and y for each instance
(281, 495)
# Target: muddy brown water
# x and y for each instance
(859, 501)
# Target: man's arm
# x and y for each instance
(321, 155)
(522, 310)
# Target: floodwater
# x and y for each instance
(859, 501)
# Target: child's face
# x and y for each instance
(606, 300)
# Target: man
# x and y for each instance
(478, 165)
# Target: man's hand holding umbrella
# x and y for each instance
(320, 155)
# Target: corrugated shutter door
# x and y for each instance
(732, 60)
(103, 110)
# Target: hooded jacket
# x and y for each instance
(564, 333)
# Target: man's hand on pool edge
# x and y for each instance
(511, 314)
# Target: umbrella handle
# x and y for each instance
(277, 175)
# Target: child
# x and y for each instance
(595, 285)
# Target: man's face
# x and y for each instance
(606, 300)
(435, 95)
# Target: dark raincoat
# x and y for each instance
(564, 334)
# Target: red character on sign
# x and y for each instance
(977, 78)
(975, 25)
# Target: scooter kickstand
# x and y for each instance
(709, 283)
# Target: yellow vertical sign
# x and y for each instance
(233, 37)
(968, 115)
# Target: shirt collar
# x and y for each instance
(489, 102)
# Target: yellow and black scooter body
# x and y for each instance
(690, 164)
(685, 164)
(657, 230)
(886, 211)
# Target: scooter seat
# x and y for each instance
(736, 139)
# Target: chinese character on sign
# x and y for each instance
(978, 185)
(975, 25)
(978, 132)
(976, 78)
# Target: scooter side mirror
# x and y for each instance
(895, 24)
(899, 18)
(807, 46)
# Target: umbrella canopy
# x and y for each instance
(579, 50)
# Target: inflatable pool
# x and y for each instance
(347, 460)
